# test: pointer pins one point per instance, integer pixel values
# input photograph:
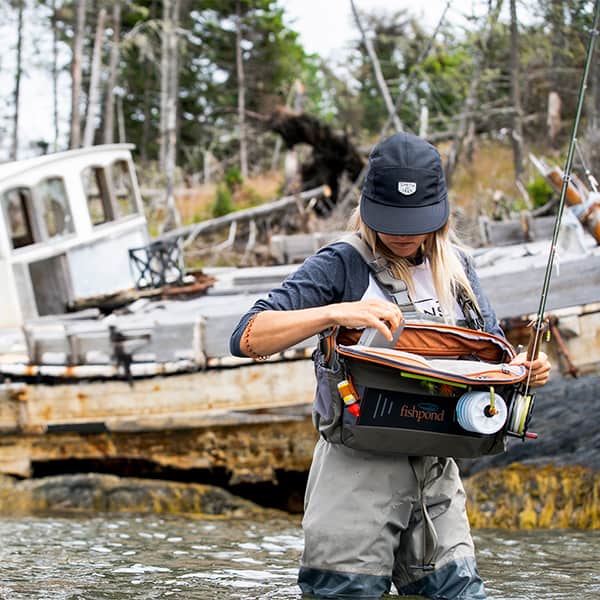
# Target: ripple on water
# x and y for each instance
(64, 559)
(138, 568)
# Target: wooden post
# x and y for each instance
(553, 120)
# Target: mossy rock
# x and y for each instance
(532, 496)
(91, 493)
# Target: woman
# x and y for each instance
(364, 526)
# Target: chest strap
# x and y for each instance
(398, 289)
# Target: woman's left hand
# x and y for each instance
(539, 369)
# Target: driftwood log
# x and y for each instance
(250, 230)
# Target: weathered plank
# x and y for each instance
(516, 231)
(10, 416)
(517, 292)
(209, 393)
(289, 249)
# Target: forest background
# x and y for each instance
(201, 88)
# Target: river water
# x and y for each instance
(130, 557)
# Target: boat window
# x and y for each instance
(95, 186)
(56, 212)
(16, 204)
(123, 189)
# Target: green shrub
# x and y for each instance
(223, 204)
(233, 178)
(540, 191)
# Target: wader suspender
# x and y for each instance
(379, 266)
(398, 289)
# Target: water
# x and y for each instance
(153, 557)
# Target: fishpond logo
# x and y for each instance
(424, 411)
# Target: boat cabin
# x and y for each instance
(67, 221)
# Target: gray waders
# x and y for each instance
(372, 519)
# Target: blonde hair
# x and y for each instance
(441, 248)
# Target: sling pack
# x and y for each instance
(442, 390)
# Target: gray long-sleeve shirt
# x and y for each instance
(337, 273)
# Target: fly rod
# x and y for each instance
(539, 323)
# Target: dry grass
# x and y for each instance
(196, 201)
(267, 185)
(196, 204)
(489, 174)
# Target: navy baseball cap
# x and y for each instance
(404, 191)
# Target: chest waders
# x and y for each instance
(443, 390)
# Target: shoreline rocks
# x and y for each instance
(92, 493)
(552, 482)
(525, 497)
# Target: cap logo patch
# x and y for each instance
(407, 188)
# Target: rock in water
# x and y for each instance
(528, 497)
(109, 493)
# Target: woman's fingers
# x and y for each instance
(385, 319)
(539, 369)
(382, 327)
(390, 313)
(384, 316)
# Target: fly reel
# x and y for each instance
(520, 415)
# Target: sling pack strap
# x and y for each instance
(398, 289)
(379, 266)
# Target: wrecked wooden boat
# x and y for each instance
(151, 380)
(150, 383)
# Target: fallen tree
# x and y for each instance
(333, 153)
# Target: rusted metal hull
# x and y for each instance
(574, 346)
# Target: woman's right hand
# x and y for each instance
(385, 316)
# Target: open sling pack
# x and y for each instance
(442, 390)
